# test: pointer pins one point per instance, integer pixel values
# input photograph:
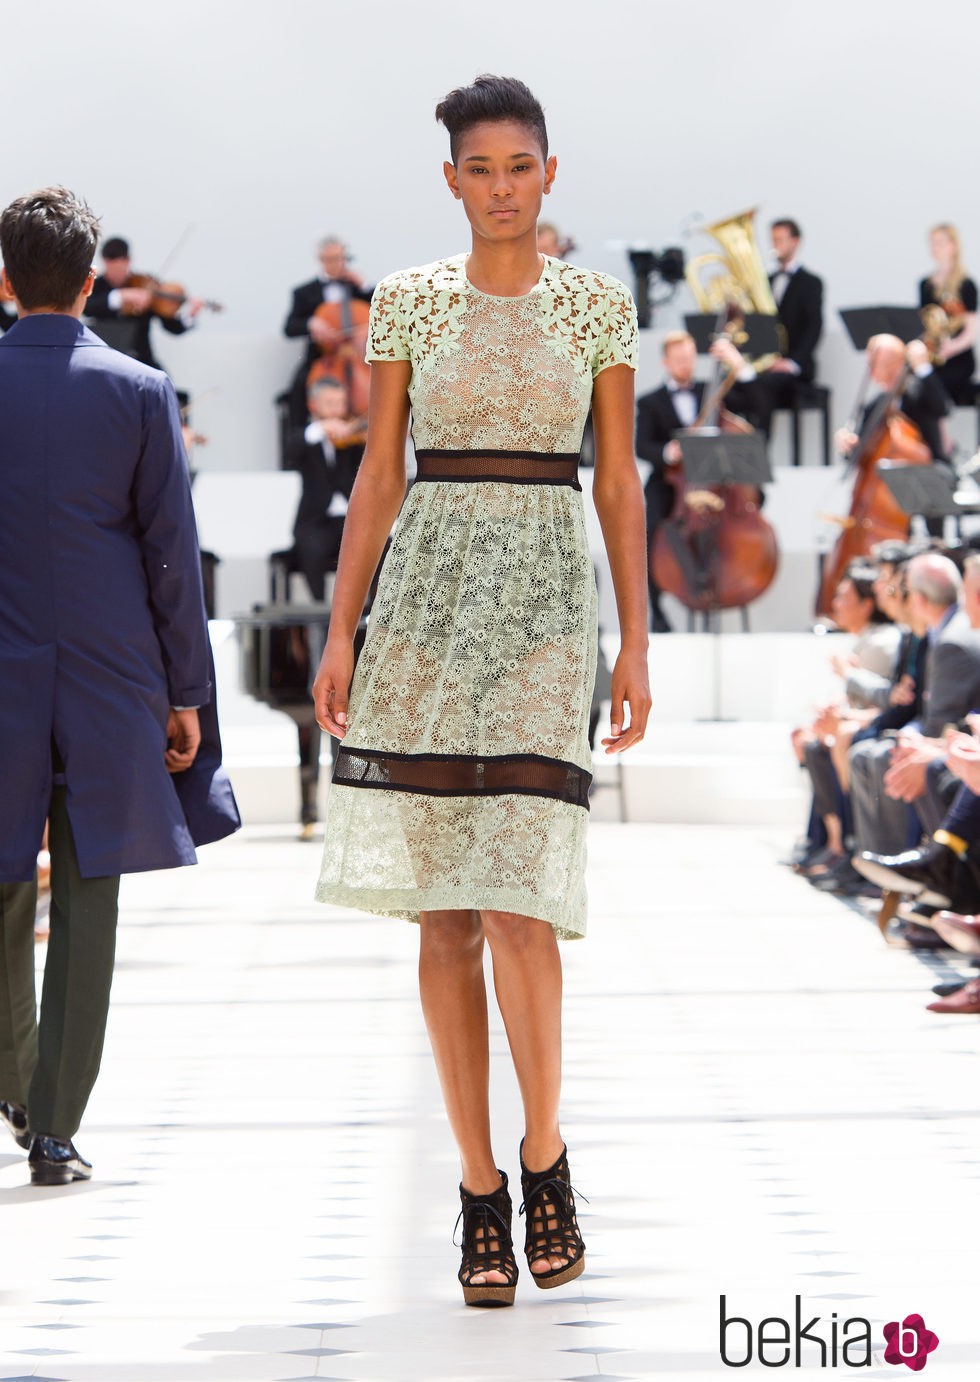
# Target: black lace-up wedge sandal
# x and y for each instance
(487, 1246)
(551, 1226)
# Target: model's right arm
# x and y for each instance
(376, 498)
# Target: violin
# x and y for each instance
(715, 551)
(874, 514)
(342, 356)
(166, 299)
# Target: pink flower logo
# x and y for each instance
(909, 1342)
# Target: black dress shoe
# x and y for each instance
(927, 873)
(944, 990)
(842, 881)
(54, 1162)
(15, 1118)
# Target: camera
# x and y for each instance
(665, 266)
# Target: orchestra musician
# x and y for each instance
(923, 399)
(552, 242)
(951, 288)
(327, 459)
(335, 282)
(8, 315)
(667, 410)
(114, 299)
(799, 301)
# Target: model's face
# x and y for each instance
(941, 248)
(680, 360)
(784, 245)
(115, 272)
(501, 175)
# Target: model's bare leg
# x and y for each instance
(454, 1003)
(527, 980)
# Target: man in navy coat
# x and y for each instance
(104, 666)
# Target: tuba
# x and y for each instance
(742, 283)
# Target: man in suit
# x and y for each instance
(327, 460)
(104, 665)
(124, 313)
(888, 778)
(666, 411)
(799, 303)
(923, 400)
(7, 316)
(335, 282)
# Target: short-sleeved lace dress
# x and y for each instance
(463, 780)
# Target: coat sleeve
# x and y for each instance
(171, 554)
(299, 314)
(650, 440)
(953, 683)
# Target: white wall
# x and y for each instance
(264, 127)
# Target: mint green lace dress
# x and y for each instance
(463, 779)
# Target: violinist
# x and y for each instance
(923, 399)
(115, 300)
(665, 411)
(327, 455)
(950, 288)
(336, 282)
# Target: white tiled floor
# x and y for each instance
(757, 1104)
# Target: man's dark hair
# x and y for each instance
(789, 225)
(491, 100)
(115, 248)
(48, 241)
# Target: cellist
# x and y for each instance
(923, 401)
(335, 282)
(665, 411)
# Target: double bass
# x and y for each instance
(874, 514)
(716, 550)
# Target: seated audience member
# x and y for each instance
(876, 646)
(887, 778)
(327, 458)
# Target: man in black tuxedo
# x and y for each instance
(327, 462)
(123, 314)
(336, 281)
(7, 316)
(664, 412)
(799, 302)
(924, 401)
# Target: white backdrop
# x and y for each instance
(264, 127)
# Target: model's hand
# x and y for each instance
(331, 687)
(183, 740)
(630, 686)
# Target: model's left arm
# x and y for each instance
(171, 554)
(619, 504)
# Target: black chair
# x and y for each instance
(809, 398)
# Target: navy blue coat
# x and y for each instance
(102, 623)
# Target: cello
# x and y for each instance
(342, 355)
(874, 514)
(715, 551)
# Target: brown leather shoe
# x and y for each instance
(965, 1000)
(962, 933)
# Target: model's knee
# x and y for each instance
(516, 932)
(451, 935)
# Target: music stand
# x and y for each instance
(864, 322)
(725, 458)
(926, 490)
(763, 333)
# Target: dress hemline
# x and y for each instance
(406, 904)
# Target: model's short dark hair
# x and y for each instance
(115, 248)
(789, 224)
(491, 100)
(48, 241)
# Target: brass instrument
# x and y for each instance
(743, 282)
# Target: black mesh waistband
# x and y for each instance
(512, 467)
(464, 775)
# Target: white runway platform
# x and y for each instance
(756, 1105)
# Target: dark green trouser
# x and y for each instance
(51, 1065)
